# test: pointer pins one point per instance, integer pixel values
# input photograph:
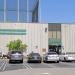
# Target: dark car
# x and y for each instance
(16, 56)
(34, 57)
(0, 54)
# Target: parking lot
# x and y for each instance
(5, 66)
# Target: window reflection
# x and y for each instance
(17, 9)
(11, 16)
(1, 10)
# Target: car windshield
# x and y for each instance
(50, 53)
(13, 52)
(35, 54)
(68, 53)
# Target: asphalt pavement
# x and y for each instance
(5, 66)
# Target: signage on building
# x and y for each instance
(12, 32)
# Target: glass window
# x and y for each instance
(1, 10)
(29, 17)
(1, 16)
(58, 35)
(1, 5)
(32, 4)
(23, 5)
(54, 34)
(50, 34)
(11, 13)
(51, 53)
(11, 16)
(11, 4)
(23, 10)
(23, 16)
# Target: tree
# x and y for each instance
(16, 45)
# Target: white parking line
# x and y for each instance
(27, 66)
(2, 65)
(46, 73)
(1, 61)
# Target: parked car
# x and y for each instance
(16, 56)
(51, 57)
(34, 57)
(8, 54)
(67, 56)
(4, 56)
(0, 54)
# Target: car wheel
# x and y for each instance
(57, 61)
(39, 61)
(44, 61)
(28, 61)
(9, 61)
(65, 59)
(21, 61)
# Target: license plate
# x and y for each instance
(51, 58)
(16, 56)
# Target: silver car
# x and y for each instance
(16, 56)
(51, 56)
(67, 56)
(34, 57)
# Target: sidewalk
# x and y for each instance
(41, 71)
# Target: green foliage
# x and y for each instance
(16, 45)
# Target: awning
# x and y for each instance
(54, 41)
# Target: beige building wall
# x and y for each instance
(50, 34)
(36, 38)
(58, 34)
(68, 37)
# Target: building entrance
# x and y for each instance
(55, 48)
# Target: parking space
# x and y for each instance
(53, 65)
(5, 66)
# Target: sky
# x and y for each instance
(57, 11)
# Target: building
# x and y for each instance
(68, 37)
(19, 20)
(16, 18)
(61, 37)
(19, 11)
(34, 35)
(39, 37)
(54, 37)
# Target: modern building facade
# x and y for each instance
(68, 37)
(61, 37)
(34, 35)
(39, 37)
(19, 20)
(19, 10)
(54, 37)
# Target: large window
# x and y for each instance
(11, 10)
(23, 16)
(23, 10)
(11, 5)
(17, 10)
(1, 16)
(54, 34)
(23, 5)
(11, 16)
(1, 10)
